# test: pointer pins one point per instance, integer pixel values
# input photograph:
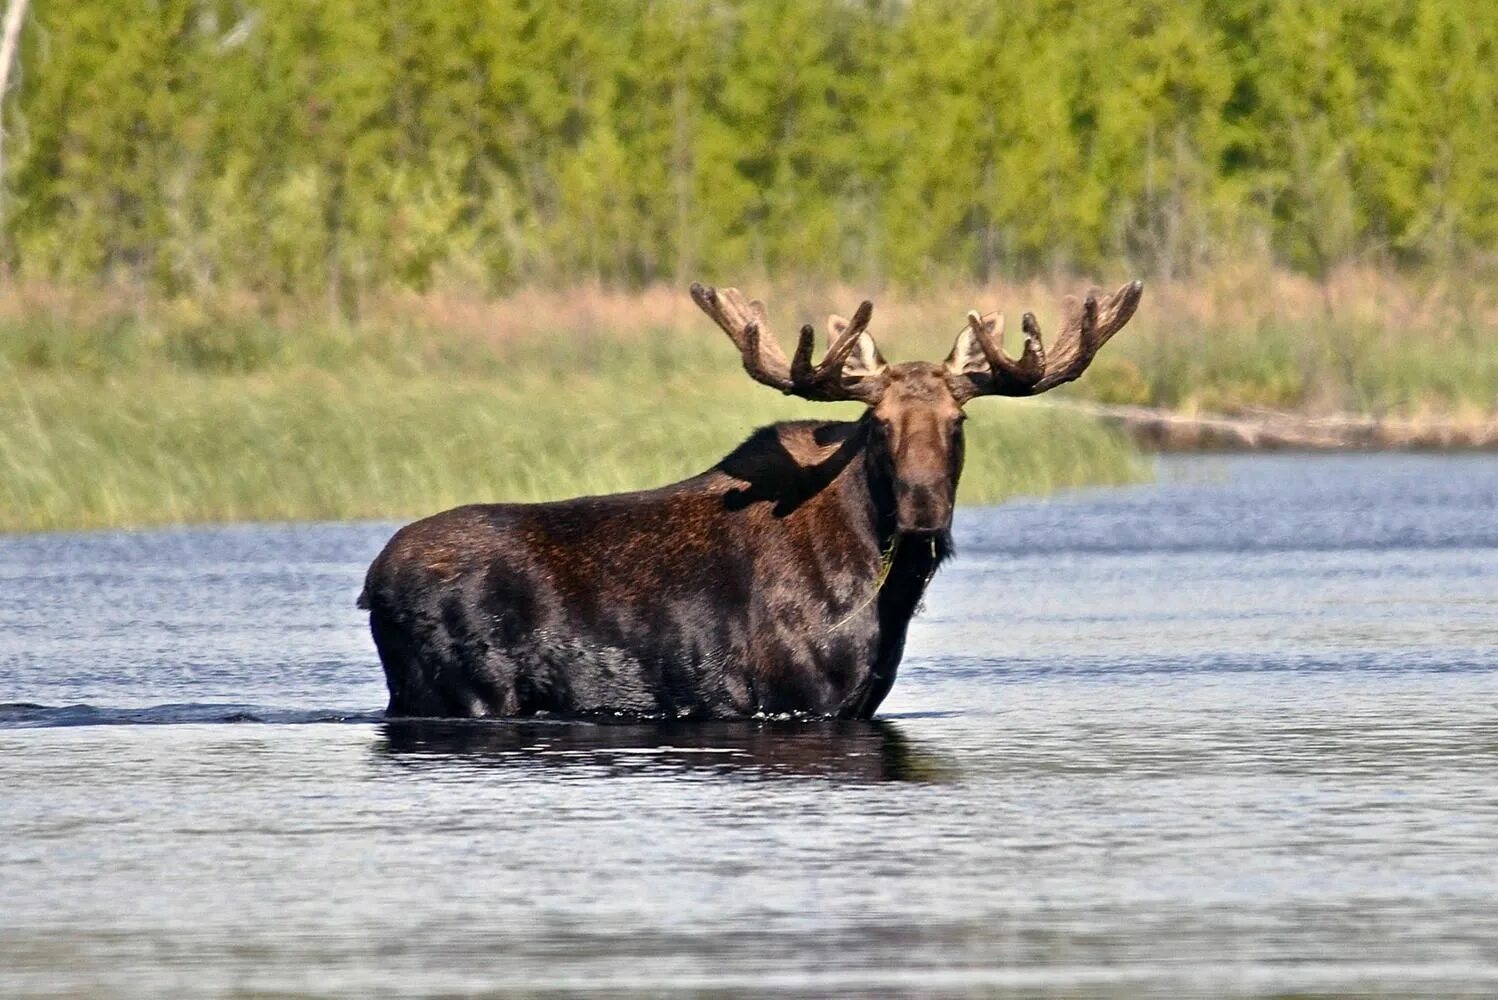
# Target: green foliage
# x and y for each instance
(345, 146)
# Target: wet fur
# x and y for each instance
(749, 589)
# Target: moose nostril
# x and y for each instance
(926, 495)
(924, 508)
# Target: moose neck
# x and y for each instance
(906, 564)
(789, 466)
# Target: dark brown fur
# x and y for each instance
(752, 588)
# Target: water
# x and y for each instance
(1233, 734)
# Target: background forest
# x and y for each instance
(358, 145)
(276, 258)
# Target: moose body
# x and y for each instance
(721, 596)
(780, 581)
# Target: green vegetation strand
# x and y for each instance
(164, 447)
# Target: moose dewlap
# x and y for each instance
(781, 580)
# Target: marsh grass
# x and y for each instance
(81, 451)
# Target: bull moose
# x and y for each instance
(779, 582)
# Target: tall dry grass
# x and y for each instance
(1334, 344)
(1365, 340)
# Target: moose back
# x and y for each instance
(780, 581)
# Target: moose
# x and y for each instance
(780, 582)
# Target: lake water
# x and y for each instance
(1231, 734)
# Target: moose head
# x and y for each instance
(915, 408)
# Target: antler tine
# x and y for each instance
(744, 322)
(1087, 329)
(1032, 358)
(1118, 310)
(801, 370)
(1008, 376)
(830, 380)
(846, 341)
(992, 345)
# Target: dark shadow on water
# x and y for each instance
(846, 750)
(837, 749)
(28, 715)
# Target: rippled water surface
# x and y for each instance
(1232, 734)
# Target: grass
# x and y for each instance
(82, 451)
(120, 410)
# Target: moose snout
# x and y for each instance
(923, 507)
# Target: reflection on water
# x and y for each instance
(1230, 735)
(848, 749)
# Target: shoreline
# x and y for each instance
(1159, 429)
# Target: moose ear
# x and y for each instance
(967, 357)
(864, 361)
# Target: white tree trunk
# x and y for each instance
(10, 37)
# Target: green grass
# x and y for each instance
(163, 445)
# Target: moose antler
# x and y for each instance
(978, 365)
(851, 369)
